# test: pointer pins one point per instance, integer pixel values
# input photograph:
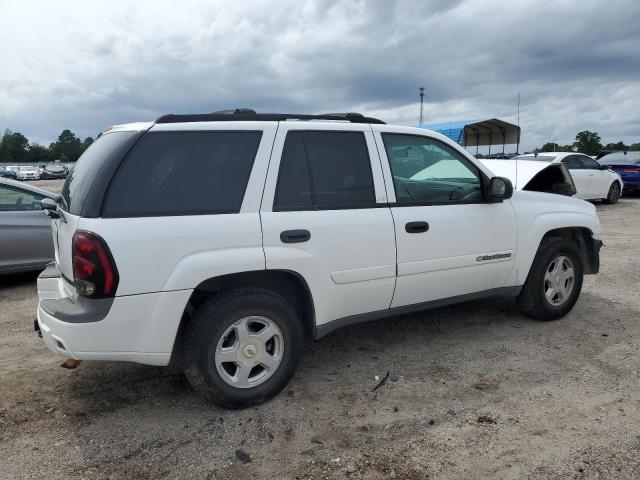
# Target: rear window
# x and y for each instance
(324, 170)
(183, 173)
(109, 147)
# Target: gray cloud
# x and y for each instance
(83, 65)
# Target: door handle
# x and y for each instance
(295, 236)
(416, 227)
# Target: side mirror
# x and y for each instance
(500, 189)
(49, 204)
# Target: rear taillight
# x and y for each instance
(94, 271)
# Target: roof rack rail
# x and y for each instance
(248, 114)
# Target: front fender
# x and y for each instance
(537, 214)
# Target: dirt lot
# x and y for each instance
(475, 391)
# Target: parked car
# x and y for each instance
(25, 241)
(592, 181)
(627, 165)
(53, 172)
(27, 172)
(222, 241)
(8, 173)
(534, 176)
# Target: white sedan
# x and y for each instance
(27, 172)
(592, 181)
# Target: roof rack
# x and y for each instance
(248, 114)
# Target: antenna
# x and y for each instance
(421, 89)
(518, 145)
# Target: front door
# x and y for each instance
(325, 216)
(450, 240)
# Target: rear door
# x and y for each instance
(325, 216)
(450, 240)
(26, 230)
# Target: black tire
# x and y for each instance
(614, 194)
(210, 322)
(532, 299)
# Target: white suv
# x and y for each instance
(221, 242)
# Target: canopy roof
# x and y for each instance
(478, 132)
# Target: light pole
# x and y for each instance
(421, 103)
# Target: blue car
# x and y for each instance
(6, 173)
(627, 165)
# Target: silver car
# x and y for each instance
(26, 242)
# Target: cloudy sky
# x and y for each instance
(86, 65)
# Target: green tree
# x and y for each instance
(616, 146)
(635, 146)
(68, 146)
(555, 147)
(39, 153)
(587, 142)
(14, 147)
(87, 143)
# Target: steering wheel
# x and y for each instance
(463, 193)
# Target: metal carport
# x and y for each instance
(479, 132)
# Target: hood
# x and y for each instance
(534, 175)
(520, 172)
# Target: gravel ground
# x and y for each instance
(474, 391)
(53, 185)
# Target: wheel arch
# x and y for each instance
(289, 284)
(581, 235)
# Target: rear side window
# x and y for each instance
(107, 149)
(183, 173)
(324, 170)
(572, 162)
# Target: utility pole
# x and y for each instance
(421, 103)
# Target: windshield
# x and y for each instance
(89, 167)
(536, 158)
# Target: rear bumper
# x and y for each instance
(135, 328)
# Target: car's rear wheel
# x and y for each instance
(554, 282)
(614, 194)
(242, 347)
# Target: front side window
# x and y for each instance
(589, 163)
(12, 200)
(183, 173)
(324, 170)
(428, 171)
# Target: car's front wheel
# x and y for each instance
(242, 347)
(554, 282)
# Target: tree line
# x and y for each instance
(589, 143)
(16, 148)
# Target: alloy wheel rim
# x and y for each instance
(614, 193)
(249, 352)
(559, 280)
